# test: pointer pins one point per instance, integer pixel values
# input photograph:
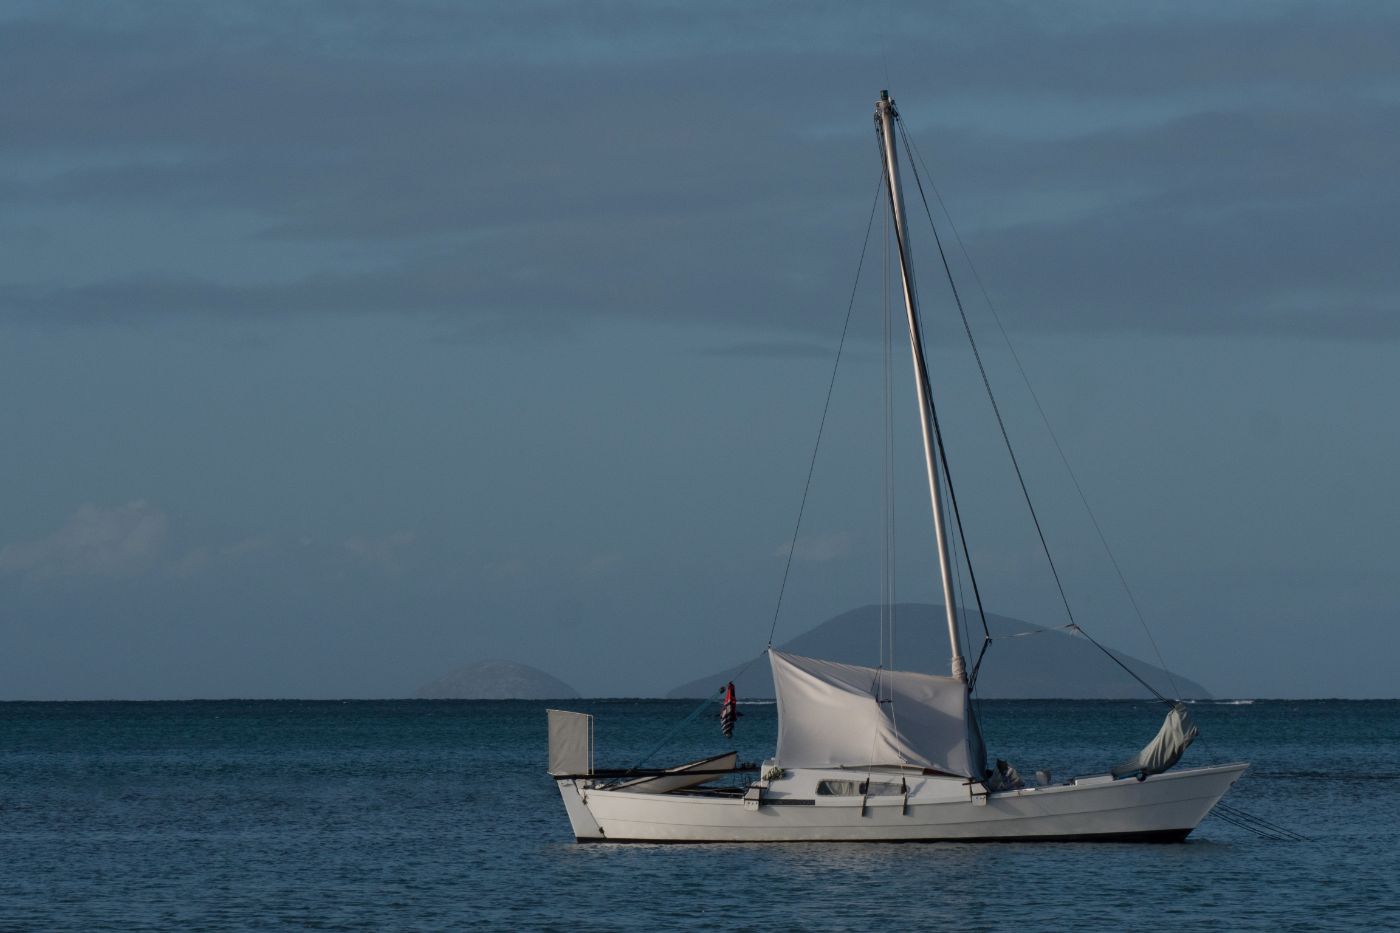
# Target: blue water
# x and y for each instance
(437, 815)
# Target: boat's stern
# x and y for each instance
(586, 829)
(570, 763)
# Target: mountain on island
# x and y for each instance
(497, 680)
(1025, 661)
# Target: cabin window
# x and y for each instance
(858, 788)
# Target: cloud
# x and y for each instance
(385, 554)
(204, 558)
(770, 350)
(1203, 172)
(94, 542)
(601, 566)
(137, 540)
(505, 569)
(819, 548)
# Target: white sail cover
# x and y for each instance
(1178, 731)
(839, 715)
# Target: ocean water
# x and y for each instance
(271, 815)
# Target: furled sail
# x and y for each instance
(1177, 732)
(838, 715)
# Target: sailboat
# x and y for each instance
(875, 755)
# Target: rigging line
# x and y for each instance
(1258, 824)
(887, 518)
(987, 385)
(845, 328)
(957, 518)
(1210, 748)
(959, 556)
(683, 723)
(1045, 419)
(892, 510)
(1038, 631)
(977, 665)
(927, 391)
(1074, 627)
(891, 513)
(885, 440)
(1260, 827)
(1232, 821)
(986, 382)
(962, 534)
(1249, 818)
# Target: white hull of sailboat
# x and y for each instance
(1164, 807)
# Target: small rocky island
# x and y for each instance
(497, 680)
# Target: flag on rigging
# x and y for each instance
(729, 711)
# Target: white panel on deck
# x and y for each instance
(570, 742)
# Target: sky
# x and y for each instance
(344, 344)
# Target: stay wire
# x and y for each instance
(986, 382)
(962, 537)
(1001, 423)
(681, 725)
(887, 498)
(1074, 627)
(821, 428)
(942, 451)
(1045, 419)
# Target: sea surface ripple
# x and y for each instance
(367, 815)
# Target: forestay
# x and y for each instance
(843, 715)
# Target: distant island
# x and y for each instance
(497, 680)
(1048, 664)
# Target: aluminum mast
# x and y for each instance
(884, 121)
